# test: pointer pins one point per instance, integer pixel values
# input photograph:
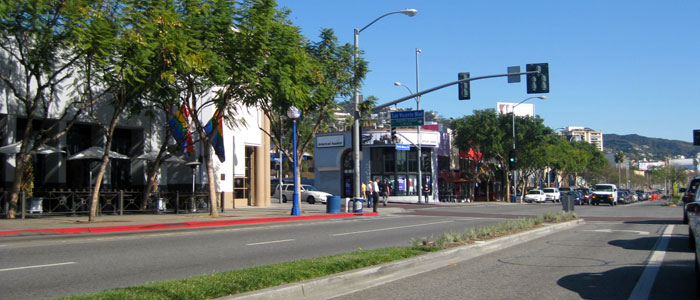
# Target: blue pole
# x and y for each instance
(295, 203)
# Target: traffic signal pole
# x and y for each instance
(430, 90)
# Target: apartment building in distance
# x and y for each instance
(577, 133)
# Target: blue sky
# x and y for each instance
(624, 67)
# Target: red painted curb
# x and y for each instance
(183, 224)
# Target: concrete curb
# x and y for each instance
(356, 280)
(176, 225)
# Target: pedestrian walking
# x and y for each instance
(369, 193)
(426, 191)
(385, 191)
(375, 195)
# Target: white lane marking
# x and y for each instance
(37, 266)
(270, 242)
(643, 288)
(389, 228)
(614, 230)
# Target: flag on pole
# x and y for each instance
(181, 133)
(215, 127)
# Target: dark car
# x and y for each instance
(689, 195)
(576, 196)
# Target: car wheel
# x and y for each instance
(691, 240)
(284, 199)
(311, 200)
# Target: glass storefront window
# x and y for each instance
(400, 168)
(413, 161)
(389, 165)
(400, 161)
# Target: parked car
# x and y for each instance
(629, 196)
(535, 196)
(307, 193)
(692, 214)
(642, 195)
(689, 196)
(552, 194)
(604, 193)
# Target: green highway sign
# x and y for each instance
(410, 118)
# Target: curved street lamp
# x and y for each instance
(356, 102)
(515, 178)
(294, 113)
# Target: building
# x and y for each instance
(242, 178)
(380, 159)
(577, 134)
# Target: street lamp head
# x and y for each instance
(398, 83)
(542, 97)
(293, 112)
(409, 12)
(418, 50)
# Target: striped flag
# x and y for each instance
(180, 129)
(215, 127)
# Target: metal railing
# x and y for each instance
(57, 203)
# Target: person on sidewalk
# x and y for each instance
(370, 192)
(385, 191)
(426, 191)
(363, 190)
(375, 195)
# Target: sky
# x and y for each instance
(622, 67)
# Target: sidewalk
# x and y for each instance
(36, 225)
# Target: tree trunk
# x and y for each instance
(95, 196)
(213, 202)
(20, 161)
(150, 183)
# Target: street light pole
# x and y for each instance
(294, 114)
(515, 177)
(420, 155)
(356, 102)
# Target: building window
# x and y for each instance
(400, 169)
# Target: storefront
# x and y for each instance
(380, 159)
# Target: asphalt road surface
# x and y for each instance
(71, 265)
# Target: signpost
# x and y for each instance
(409, 118)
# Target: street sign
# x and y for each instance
(403, 147)
(408, 118)
(513, 78)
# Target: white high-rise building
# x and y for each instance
(577, 133)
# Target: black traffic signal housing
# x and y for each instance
(696, 137)
(538, 83)
(511, 159)
(393, 135)
(464, 93)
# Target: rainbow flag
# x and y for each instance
(181, 133)
(215, 127)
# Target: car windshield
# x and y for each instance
(548, 190)
(310, 188)
(603, 188)
(533, 192)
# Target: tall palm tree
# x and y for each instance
(619, 158)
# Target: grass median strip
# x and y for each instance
(239, 281)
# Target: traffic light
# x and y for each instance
(464, 93)
(538, 83)
(393, 135)
(511, 159)
(696, 137)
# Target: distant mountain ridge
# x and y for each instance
(638, 147)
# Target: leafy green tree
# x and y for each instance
(117, 69)
(619, 159)
(38, 56)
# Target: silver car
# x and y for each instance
(307, 192)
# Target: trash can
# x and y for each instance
(357, 205)
(567, 202)
(333, 205)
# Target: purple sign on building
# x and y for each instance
(402, 183)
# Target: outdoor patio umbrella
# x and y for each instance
(96, 153)
(14, 148)
(151, 156)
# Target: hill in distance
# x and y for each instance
(639, 147)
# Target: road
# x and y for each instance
(647, 258)
(71, 265)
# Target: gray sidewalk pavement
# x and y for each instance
(276, 212)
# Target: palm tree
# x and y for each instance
(619, 158)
